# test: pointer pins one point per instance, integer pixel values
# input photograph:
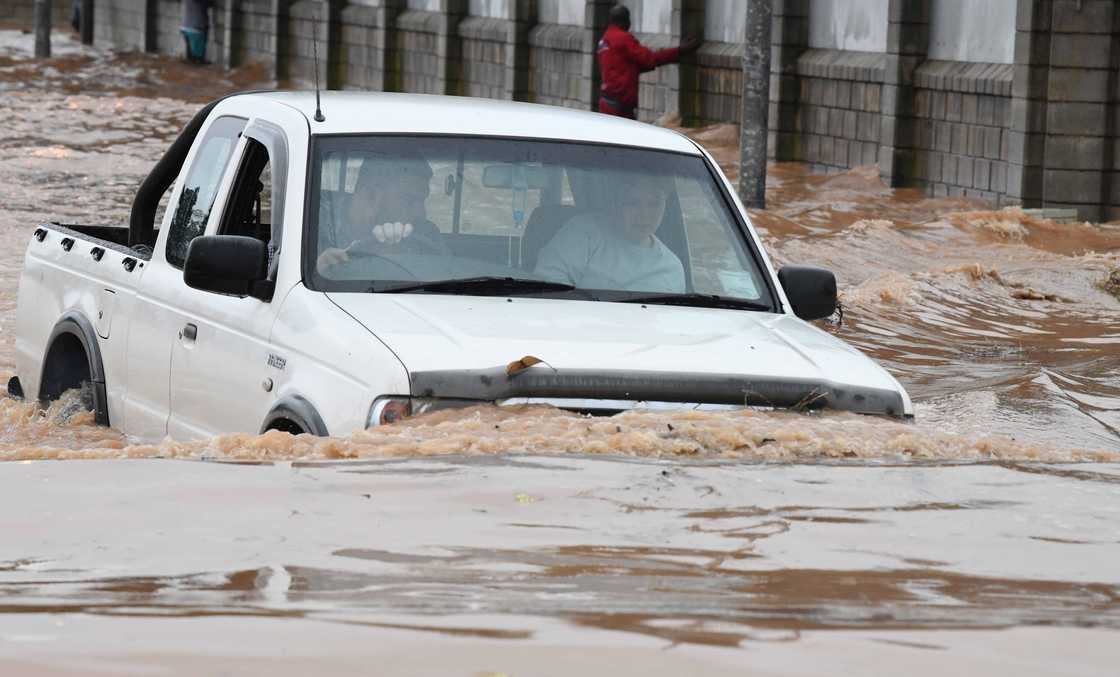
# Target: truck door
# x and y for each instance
(220, 359)
(152, 323)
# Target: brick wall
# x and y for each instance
(839, 112)
(560, 66)
(305, 35)
(22, 12)
(168, 18)
(658, 89)
(1042, 131)
(487, 44)
(960, 113)
(119, 23)
(255, 40)
(418, 35)
(363, 49)
(719, 83)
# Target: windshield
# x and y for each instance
(471, 215)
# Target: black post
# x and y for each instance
(86, 22)
(756, 104)
(42, 29)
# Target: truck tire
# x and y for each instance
(73, 361)
(295, 415)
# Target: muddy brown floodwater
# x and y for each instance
(984, 538)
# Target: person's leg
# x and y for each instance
(196, 45)
(203, 40)
(186, 44)
(608, 109)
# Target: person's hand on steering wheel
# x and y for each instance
(397, 237)
(392, 233)
(384, 236)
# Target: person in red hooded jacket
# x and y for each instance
(622, 60)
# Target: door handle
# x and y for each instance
(189, 332)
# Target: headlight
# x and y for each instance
(385, 410)
(394, 408)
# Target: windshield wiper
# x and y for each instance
(487, 286)
(699, 300)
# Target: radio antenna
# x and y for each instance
(319, 117)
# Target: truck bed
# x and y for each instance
(76, 271)
(114, 237)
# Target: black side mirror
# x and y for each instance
(811, 291)
(225, 264)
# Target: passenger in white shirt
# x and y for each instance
(617, 249)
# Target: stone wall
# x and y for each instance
(850, 25)
(560, 65)
(486, 67)
(418, 43)
(658, 89)
(839, 113)
(169, 15)
(1062, 132)
(22, 12)
(965, 30)
(960, 114)
(364, 50)
(120, 23)
(253, 37)
(931, 95)
(719, 75)
(306, 36)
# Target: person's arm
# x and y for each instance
(646, 58)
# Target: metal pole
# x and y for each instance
(42, 29)
(756, 104)
(87, 22)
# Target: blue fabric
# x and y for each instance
(196, 43)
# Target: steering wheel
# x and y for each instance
(413, 244)
(371, 248)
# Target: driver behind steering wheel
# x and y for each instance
(385, 214)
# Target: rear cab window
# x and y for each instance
(201, 187)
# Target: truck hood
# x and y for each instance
(459, 346)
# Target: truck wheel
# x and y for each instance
(286, 426)
(294, 414)
(73, 362)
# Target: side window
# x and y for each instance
(249, 208)
(201, 186)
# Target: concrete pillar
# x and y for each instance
(42, 29)
(517, 54)
(149, 26)
(85, 27)
(279, 39)
(329, 28)
(754, 131)
(451, 45)
(907, 46)
(1026, 138)
(1060, 148)
(596, 19)
(789, 38)
(688, 21)
(1112, 150)
(384, 58)
(231, 31)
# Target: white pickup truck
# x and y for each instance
(322, 270)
